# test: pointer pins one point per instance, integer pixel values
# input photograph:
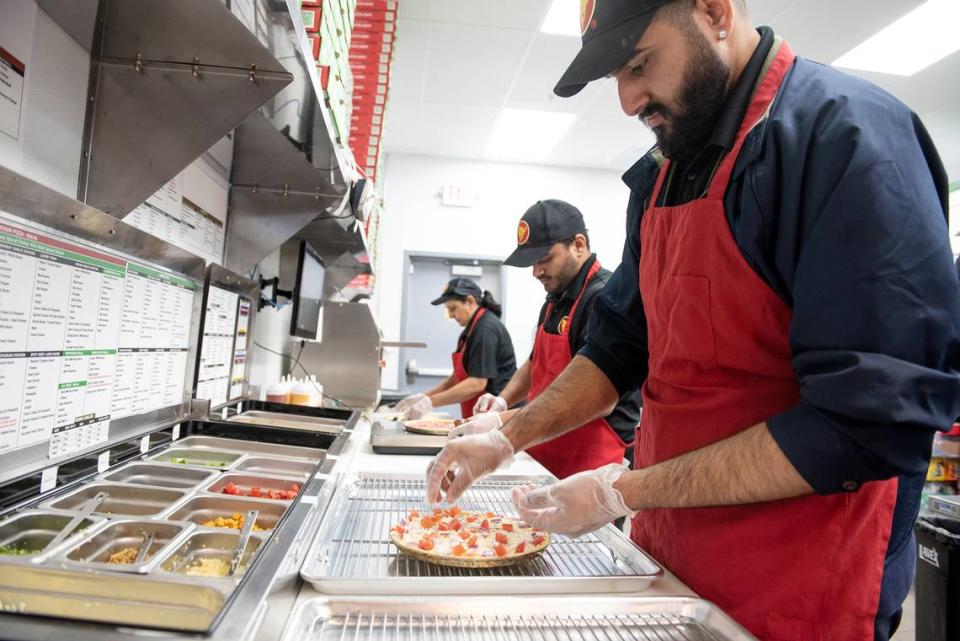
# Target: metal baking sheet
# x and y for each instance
(95, 550)
(272, 465)
(161, 475)
(251, 447)
(481, 618)
(388, 437)
(352, 550)
(945, 505)
(123, 500)
(290, 421)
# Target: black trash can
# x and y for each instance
(938, 579)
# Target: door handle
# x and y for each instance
(411, 370)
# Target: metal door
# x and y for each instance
(425, 280)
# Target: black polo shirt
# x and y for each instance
(625, 416)
(489, 353)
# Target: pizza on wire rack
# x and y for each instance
(433, 427)
(466, 539)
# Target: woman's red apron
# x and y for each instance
(805, 569)
(459, 371)
(591, 445)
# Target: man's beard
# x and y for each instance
(700, 103)
(564, 279)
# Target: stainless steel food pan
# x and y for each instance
(198, 457)
(161, 475)
(352, 550)
(584, 618)
(30, 531)
(115, 598)
(245, 483)
(201, 509)
(270, 465)
(289, 421)
(208, 545)
(123, 500)
(252, 447)
(96, 550)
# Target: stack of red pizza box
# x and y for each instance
(329, 26)
(371, 54)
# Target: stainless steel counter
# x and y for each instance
(357, 457)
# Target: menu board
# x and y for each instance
(85, 338)
(218, 345)
(171, 216)
(239, 373)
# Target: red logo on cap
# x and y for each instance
(564, 322)
(587, 8)
(523, 233)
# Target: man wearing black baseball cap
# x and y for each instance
(788, 303)
(552, 239)
(484, 360)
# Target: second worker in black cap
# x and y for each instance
(552, 239)
(484, 359)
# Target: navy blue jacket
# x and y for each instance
(838, 201)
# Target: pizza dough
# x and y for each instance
(466, 539)
(433, 427)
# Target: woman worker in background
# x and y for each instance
(484, 361)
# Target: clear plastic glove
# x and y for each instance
(576, 505)
(490, 403)
(417, 409)
(408, 401)
(478, 425)
(463, 461)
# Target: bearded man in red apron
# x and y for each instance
(552, 239)
(788, 303)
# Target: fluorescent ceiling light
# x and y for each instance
(563, 18)
(914, 42)
(526, 134)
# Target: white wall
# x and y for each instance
(54, 97)
(414, 220)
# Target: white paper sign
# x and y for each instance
(12, 75)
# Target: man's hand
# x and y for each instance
(414, 407)
(576, 505)
(478, 425)
(490, 403)
(463, 461)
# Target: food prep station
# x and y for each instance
(109, 521)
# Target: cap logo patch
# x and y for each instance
(523, 233)
(587, 8)
(564, 323)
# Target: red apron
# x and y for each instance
(459, 372)
(804, 569)
(591, 445)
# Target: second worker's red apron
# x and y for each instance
(804, 569)
(591, 445)
(459, 371)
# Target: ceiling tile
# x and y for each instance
(456, 131)
(603, 142)
(545, 63)
(459, 61)
(414, 9)
(506, 14)
(463, 68)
